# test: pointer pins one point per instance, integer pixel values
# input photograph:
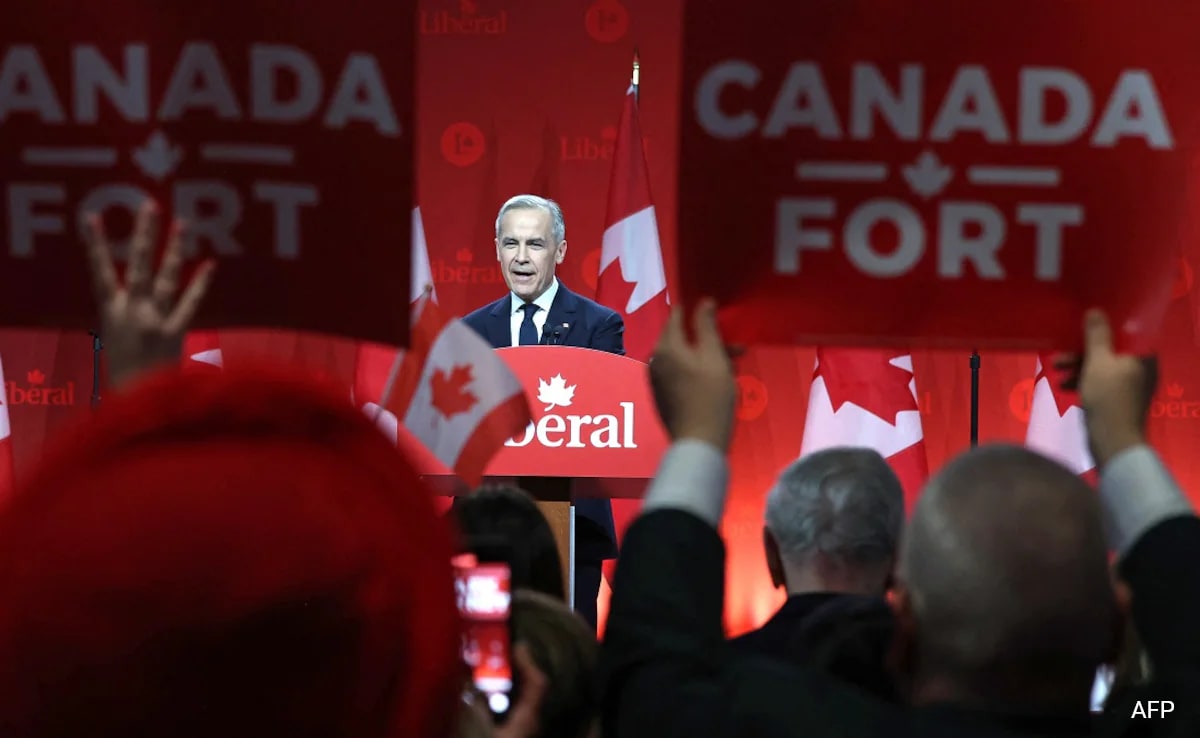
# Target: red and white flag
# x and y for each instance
(422, 273)
(632, 280)
(455, 394)
(1056, 426)
(7, 477)
(203, 347)
(375, 360)
(868, 398)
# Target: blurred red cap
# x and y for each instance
(234, 553)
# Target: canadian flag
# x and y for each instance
(6, 450)
(454, 393)
(1056, 427)
(632, 280)
(868, 398)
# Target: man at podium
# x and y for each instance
(539, 310)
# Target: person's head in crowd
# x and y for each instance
(235, 554)
(510, 515)
(1005, 598)
(564, 649)
(531, 241)
(833, 523)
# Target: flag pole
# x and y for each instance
(637, 69)
(974, 399)
(97, 347)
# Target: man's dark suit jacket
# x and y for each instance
(847, 636)
(668, 671)
(590, 325)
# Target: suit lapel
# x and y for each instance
(499, 323)
(563, 310)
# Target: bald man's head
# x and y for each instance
(1006, 580)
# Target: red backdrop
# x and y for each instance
(519, 95)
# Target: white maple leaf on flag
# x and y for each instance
(556, 393)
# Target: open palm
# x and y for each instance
(141, 322)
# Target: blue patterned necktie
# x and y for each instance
(528, 335)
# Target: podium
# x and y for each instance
(595, 434)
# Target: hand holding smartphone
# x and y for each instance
(483, 583)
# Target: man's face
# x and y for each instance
(527, 252)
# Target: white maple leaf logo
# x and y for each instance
(555, 393)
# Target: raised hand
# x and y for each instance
(141, 322)
(694, 386)
(523, 721)
(1114, 389)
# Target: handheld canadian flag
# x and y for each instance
(6, 450)
(454, 394)
(868, 398)
(632, 280)
(1056, 427)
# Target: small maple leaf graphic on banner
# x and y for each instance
(1063, 399)
(556, 393)
(867, 378)
(450, 395)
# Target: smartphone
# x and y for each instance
(483, 583)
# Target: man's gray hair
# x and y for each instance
(845, 503)
(558, 226)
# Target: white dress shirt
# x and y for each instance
(539, 318)
(693, 476)
(1138, 493)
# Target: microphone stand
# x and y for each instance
(97, 347)
(974, 399)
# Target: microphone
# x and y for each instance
(553, 336)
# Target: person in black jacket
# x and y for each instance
(832, 530)
(1023, 670)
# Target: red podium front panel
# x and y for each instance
(594, 418)
(593, 413)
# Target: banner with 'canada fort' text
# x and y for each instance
(283, 137)
(943, 173)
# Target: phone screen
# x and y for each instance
(485, 602)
